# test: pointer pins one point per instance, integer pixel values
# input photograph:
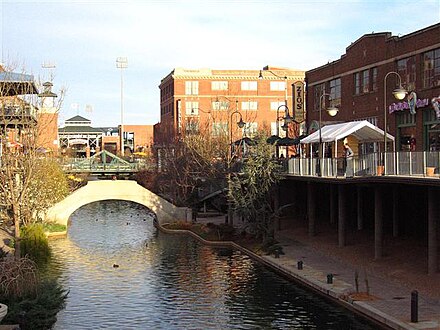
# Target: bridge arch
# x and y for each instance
(126, 190)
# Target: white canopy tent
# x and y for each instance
(363, 131)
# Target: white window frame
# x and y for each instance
(219, 128)
(274, 105)
(249, 85)
(191, 87)
(192, 105)
(250, 129)
(277, 85)
(249, 105)
(220, 105)
(219, 85)
(273, 129)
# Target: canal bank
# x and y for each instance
(388, 304)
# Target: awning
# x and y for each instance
(245, 140)
(363, 131)
(286, 141)
(272, 139)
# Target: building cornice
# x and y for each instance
(369, 66)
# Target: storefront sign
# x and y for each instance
(401, 106)
(436, 105)
(314, 126)
(298, 101)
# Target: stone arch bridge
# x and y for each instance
(116, 190)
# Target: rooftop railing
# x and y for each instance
(402, 163)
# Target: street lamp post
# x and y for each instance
(260, 76)
(399, 93)
(287, 120)
(240, 124)
(122, 63)
(332, 111)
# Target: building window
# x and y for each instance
(374, 79)
(365, 81)
(219, 129)
(274, 105)
(191, 87)
(431, 131)
(277, 85)
(219, 85)
(249, 105)
(431, 68)
(335, 92)
(371, 120)
(192, 127)
(319, 90)
(405, 118)
(192, 108)
(362, 81)
(273, 129)
(250, 129)
(220, 105)
(357, 83)
(407, 71)
(248, 85)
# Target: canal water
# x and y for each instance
(124, 274)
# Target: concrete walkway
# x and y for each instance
(392, 305)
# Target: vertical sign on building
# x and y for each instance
(298, 101)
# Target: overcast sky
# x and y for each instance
(84, 38)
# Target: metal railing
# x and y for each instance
(82, 165)
(402, 163)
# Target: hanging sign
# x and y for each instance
(436, 105)
(298, 101)
(314, 126)
(401, 106)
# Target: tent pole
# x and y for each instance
(336, 157)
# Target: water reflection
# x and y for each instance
(172, 282)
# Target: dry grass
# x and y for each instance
(18, 277)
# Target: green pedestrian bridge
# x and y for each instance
(102, 163)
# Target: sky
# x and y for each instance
(82, 39)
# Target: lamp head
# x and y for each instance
(400, 93)
(288, 119)
(332, 111)
(241, 123)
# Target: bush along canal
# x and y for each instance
(122, 273)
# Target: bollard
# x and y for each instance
(300, 264)
(415, 306)
(329, 278)
(277, 253)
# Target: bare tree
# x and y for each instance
(23, 192)
(197, 158)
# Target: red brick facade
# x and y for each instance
(192, 99)
(360, 76)
(142, 137)
(48, 131)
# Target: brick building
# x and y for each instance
(195, 100)
(138, 138)
(356, 84)
(47, 135)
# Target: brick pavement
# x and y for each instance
(393, 303)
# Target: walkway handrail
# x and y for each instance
(402, 163)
